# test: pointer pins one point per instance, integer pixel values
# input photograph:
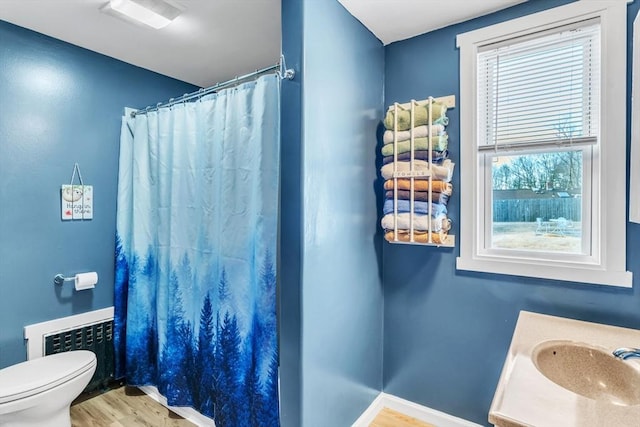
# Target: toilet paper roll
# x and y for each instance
(86, 280)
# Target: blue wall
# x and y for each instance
(290, 256)
(342, 284)
(330, 282)
(60, 104)
(446, 332)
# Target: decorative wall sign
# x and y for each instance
(76, 200)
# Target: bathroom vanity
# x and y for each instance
(562, 372)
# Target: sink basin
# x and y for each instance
(589, 371)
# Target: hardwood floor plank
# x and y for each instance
(124, 407)
(390, 418)
(88, 416)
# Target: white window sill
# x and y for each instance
(572, 274)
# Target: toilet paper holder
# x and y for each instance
(83, 280)
(59, 279)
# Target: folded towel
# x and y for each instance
(438, 143)
(418, 237)
(418, 132)
(421, 116)
(437, 156)
(421, 196)
(420, 222)
(418, 207)
(421, 185)
(442, 172)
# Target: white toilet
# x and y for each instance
(39, 392)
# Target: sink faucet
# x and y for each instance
(625, 353)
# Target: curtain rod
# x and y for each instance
(280, 68)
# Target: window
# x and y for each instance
(543, 145)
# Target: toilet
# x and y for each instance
(39, 392)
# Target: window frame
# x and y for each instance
(607, 265)
(634, 178)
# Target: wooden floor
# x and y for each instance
(130, 407)
(124, 407)
(390, 418)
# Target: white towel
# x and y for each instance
(420, 222)
(442, 172)
(418, 132)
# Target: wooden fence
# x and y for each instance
(527, 210)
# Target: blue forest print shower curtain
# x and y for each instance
(195, 256)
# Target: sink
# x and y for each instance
(589, 371)
(561, 372)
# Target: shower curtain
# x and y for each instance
(195, 253)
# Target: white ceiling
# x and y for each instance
(393, 20)
(211, 41)
(216, 40)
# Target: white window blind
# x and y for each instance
(540, 91)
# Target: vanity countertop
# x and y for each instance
(525, 397)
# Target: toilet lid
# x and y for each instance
(38, 375)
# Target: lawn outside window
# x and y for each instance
(543, 145)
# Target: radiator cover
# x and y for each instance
(97, 338)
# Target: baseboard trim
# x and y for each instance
(419, 412)
(383, 400)
(370, 413)
(185, 412)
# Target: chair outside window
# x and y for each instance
(562, 226)
(541, 227)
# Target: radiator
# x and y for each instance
(97, 338)
(91, 331)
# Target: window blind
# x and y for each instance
(542, 91)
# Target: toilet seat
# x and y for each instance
(38, 375)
